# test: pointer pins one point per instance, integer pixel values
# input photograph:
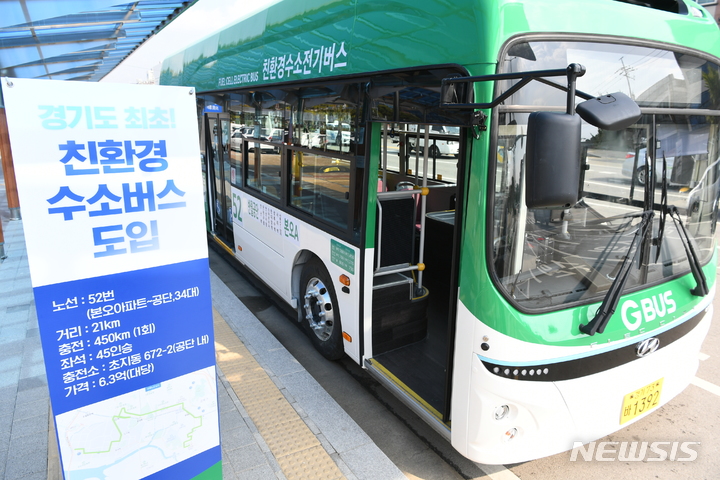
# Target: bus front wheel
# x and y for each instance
(319, 309)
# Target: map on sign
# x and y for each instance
(142, 432)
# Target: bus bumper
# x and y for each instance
(546, 418)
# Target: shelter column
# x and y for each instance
(8, 169)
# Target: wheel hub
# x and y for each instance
(319, 308)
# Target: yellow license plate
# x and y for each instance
(640, 401)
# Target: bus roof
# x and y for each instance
(293, 41)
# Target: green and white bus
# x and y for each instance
(413, 179)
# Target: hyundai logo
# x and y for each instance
(647, 346)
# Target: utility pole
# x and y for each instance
(625, 71)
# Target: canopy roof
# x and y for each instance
(77, 39)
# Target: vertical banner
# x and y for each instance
(110, 185)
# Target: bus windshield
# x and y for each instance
(550, 258)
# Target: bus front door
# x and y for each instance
(414, 285)
(217, 156)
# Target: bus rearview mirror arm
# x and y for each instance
(553, 168)
(610, 112)
(454, 90)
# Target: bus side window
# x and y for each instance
(320, 187)
(264, 169)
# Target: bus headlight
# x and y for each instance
(501, 412)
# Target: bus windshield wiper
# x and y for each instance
(701, 289)
(612, 297)
(663, 210)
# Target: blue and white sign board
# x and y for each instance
(110, 186)
(213, 108)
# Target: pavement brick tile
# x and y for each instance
(246, 457)
(35, 476)
(262, 472)
(231, 420)
(32, 333)
(13, 333)
(3, 462)
(33, 370)
(32, 394)
(31, 425)
(363, 462)
(19, 308)
(10, 364)
(9, 377)
(6, 426)
(10, 349)
(31, 409)
(15, 318)
(225, 404)
(228, 473)
(236, 438)
(7, 401)
(27, 455)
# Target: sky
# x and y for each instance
(197, 22)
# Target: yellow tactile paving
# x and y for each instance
(297, 450)
(269, 414)
(311, 464)
(287, 444)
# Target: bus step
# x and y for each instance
(398, 319)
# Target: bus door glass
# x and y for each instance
(218, 158)
(414, 284)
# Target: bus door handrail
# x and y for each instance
(423, 192)
(403, 267)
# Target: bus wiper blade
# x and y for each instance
(612, 297)
(701, 289)
(663, 211)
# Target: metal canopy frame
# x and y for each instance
(80, 40)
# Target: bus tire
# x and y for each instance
(319, 310)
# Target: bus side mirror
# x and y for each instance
(610, 112)
(552, 160)
(553, 147)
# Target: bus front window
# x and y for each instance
(548, 258)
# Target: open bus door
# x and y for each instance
(217, 157)
(415, 270)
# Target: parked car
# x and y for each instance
(265, 135)
(236, 139)
(438, 147)
(313, 139)
(331, 132)
(641, 171)
(273, 134)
